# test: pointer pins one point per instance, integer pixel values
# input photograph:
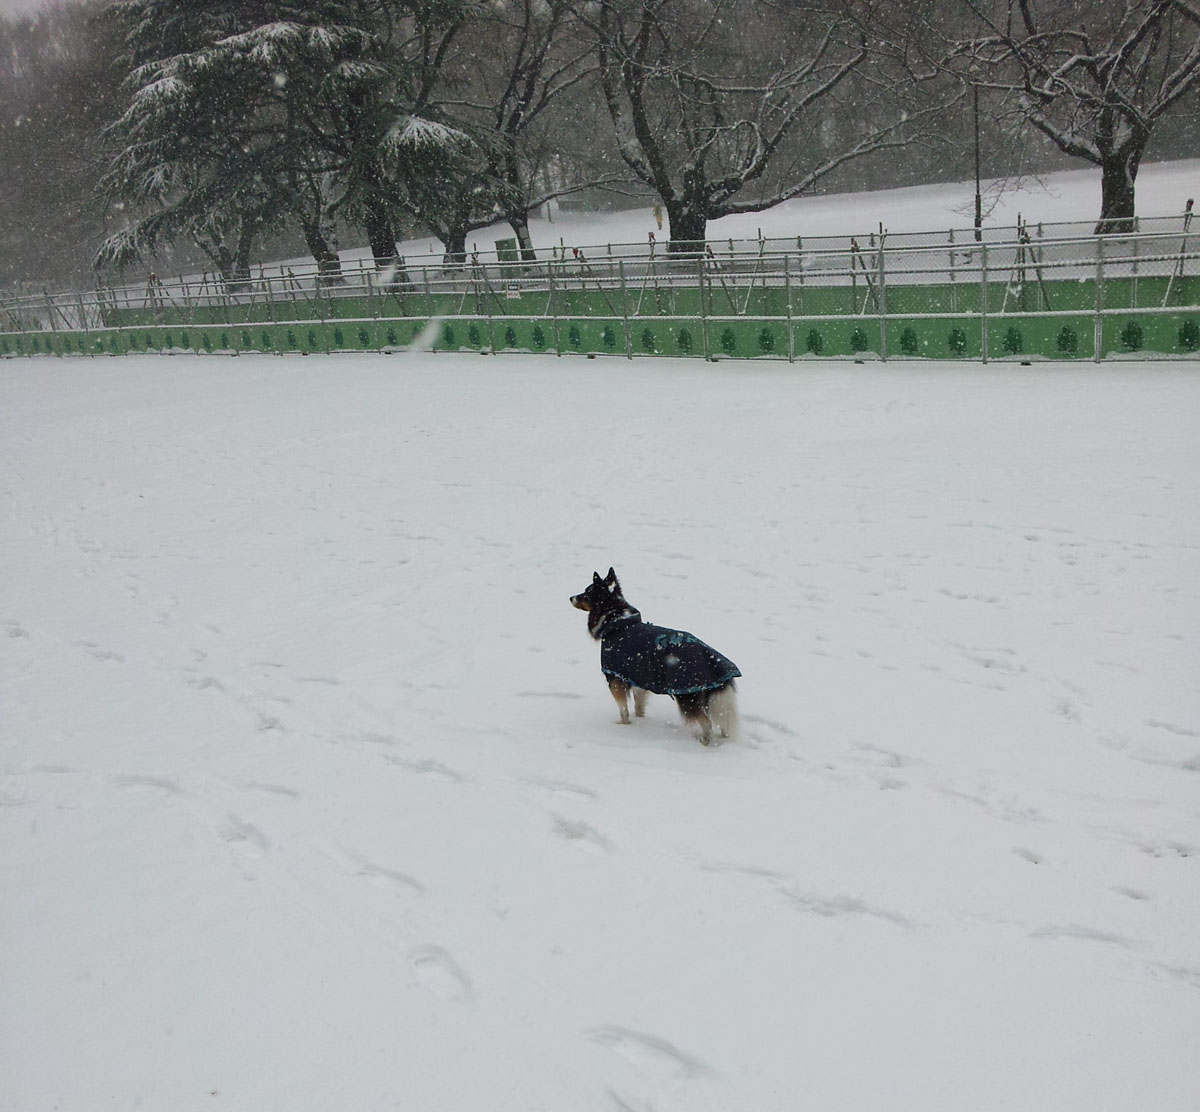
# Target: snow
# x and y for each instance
(312, 795)
(1065, 196)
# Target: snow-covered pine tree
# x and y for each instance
(257, 113)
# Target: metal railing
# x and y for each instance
(880, 295)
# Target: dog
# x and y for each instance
(639, 657)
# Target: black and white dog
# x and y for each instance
(637, 656)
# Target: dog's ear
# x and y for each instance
(611, 577)
(611, 582)
(596, 580)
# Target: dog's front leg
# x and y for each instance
(639, 702)
(620, 692)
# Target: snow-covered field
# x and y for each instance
(312, 796)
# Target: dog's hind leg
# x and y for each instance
(692, 709)
(639, 702)
(721, 706)
(620, 692)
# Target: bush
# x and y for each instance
(814, 342)
(908, 342)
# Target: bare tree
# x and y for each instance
(510, 107)
(703, 94)
(1094, 77)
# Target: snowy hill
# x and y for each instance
(312, 796)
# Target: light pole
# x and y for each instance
(978, 194)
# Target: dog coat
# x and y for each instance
(665, 661)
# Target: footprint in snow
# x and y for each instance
(205, 683)
(771, 724)
(562, 788)
(244, 836)
(428, 767)
(96, 652)
(440, 973)
(382, 876)
(1085, 934)
(271, 789)
(151, 783)
(581, 835)
(650, 1053)
(829, 907)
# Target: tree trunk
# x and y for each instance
(329, 265)
(520, 225)
(241, 259)
(454, 241)
(381, 233)
(688, 225)
(1118, 173)
(223, 257)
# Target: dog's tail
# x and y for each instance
(723, 712)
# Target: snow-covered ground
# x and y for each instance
(312, 797)
(1163, 189)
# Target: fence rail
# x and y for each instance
(878, 296)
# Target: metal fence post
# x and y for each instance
(479, 272)
(883, 348)
(953, 274)
(703, 304)
(624, 308)
(1098, 324)
(983, 299)
(787, 290)
(553, 307)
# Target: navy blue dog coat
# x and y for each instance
(664, 661)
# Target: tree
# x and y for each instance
(511, 112)
(510, 106)
(189, 154)
(1096, 78)
(704, 93)
(242, 113)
